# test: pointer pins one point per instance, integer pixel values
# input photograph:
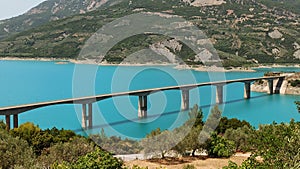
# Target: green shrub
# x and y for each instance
(278, 145)
(233, 123)
(2, 125)
(14, 152)
(295, 83)
(220, 147)
(189, 166)
(97, 159)
(41, 139)
(68, 152)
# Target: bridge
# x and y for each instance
(86, 102)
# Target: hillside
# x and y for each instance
(243, 32)
(47, 11)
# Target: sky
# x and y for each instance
(11, 8)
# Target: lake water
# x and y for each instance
(25, 82)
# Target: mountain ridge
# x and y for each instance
(47, 11)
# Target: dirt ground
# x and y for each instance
(198, 162)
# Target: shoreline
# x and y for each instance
(199, 68)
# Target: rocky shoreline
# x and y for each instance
(180, 67)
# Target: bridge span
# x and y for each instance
(86, 102)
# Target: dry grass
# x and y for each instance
(198, 162)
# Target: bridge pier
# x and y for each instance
(87, 117)
(7, 120)
(90, 115)
(142, 108)
(278, 85)
(185, 100)
(270, 85)
(16, 121)
(219, 93)
(247, 90)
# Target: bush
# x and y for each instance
(189, 166)
(68, 152)
(2, 125)
(278, 145)
(295, 83)
(233, 123)
(14, 152)
(250, 163)
(97, 159)
(218, 146)
(39, 139)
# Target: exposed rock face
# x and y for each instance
(297, 54)
(275, 51)
(205, 2)
(296, 45)
(275, 34)
(204, 56)
(163, 48)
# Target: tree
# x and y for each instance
(158, 142)
(213, 119)
(193, 126)
(241, 137)
(190, 142)
(116, 145)
(195, 116)
(210, 124)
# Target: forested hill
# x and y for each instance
(242, 31)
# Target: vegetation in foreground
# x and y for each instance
(271, 146)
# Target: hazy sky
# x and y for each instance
(11, 8)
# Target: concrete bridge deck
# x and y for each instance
(142, 94)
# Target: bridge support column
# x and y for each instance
(219, 94)
(185, 100)
(87, 116)
(16, 121)
(7, 120)
(83, 119)
(247, 90)
(142, 112)
(278, 85)
(270, 84)
(90, 115)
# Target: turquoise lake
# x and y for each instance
(24, 82)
